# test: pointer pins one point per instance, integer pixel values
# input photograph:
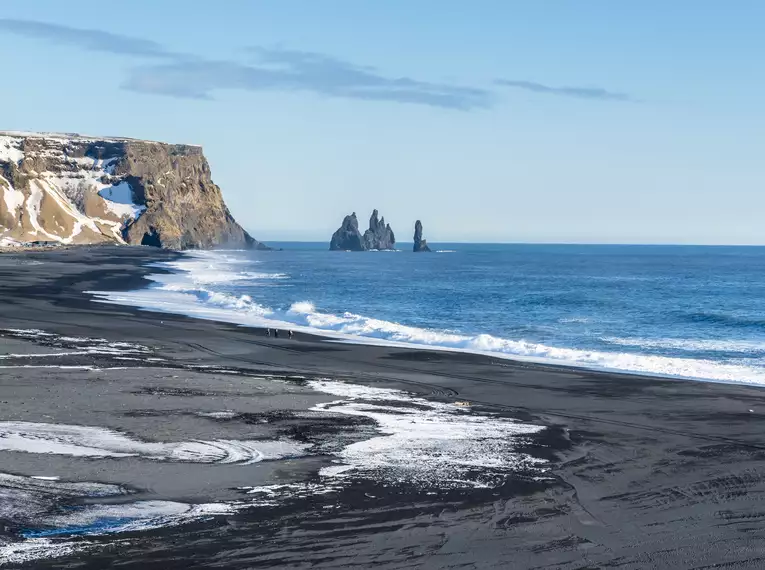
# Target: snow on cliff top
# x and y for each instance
(81, 137)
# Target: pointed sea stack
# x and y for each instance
(379, 235)
(347, 237)
(420, 244)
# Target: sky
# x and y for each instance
(584, 121)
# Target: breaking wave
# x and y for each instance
(191, 292)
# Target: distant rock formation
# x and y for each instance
(72, 189)
(349, 238)
(379, 235)
(420, 244)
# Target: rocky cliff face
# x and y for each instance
(349, 238)
(72, 189)
(420, 244)
(379, 235)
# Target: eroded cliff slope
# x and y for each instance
(73, 189)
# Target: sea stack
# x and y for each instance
(420, 244)
(379, 235)
(347, 237)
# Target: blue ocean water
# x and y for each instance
(685, 311)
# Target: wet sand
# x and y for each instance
(640, 472)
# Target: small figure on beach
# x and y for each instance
(291, 334)
(276, 333)
(268, 332)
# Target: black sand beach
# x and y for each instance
(639, 472)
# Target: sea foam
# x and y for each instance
(189, 292)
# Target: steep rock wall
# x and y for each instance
(73, 189)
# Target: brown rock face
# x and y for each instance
(74, 189)
(184, 208)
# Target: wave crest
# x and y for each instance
(182, 293)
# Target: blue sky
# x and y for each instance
(555, 121)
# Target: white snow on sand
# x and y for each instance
(33, 503)
(87, 441)
(426, 443)
(141, 515)
(16, 553)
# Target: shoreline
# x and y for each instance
(102, 296)
(639, 471)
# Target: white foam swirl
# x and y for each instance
(87, 441)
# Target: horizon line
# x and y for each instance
(572, 243)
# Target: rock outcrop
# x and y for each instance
(74, 189)
(349, 238)
(420, 244)
(379, 235)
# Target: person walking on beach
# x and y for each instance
(291, 334)
(276, 333)
(268, 332)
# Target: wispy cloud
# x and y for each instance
(288, 70)
(184, 75)
(578, 92)
(87, 39)
(188, 76)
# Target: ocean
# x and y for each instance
(694, 312)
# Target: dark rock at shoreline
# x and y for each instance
(420, 244)
(347, 237)
(184, 207)
(379, 235)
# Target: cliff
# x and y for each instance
(420, 244)
(349, 238)
(73, 189)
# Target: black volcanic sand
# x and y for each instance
(646, 472)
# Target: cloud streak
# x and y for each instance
(596, 93)
(299, 71)
(183, 75)
(87, 39)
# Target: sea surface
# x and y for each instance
(681, 311)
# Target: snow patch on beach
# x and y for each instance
(426, 443)
(128, 517)
(416, 443)
(76, 346)
(87, 441)
(16, 553)
(42, 508)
